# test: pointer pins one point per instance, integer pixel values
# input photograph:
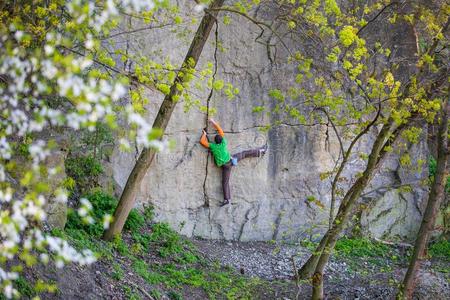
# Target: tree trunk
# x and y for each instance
(435, 197)
(144, 161)
(307, 270)
(329, 239)
(346, 207)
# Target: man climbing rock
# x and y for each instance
(223, 159)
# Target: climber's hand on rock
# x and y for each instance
(212, 121)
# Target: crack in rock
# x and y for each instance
(277, 223)
(241, 230)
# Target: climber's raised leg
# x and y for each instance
(251, 153)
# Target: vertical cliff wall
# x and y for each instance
(271, 196)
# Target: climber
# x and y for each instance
(223, 158)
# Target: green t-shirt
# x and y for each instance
(220, 152)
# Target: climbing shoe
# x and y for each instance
(225, 202)
(263, 150)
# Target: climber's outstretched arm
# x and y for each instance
(204, 140)
(217, 126)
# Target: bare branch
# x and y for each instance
(258, 23)
(377, 15)
(135, 30)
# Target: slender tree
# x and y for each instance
(418, 98)
(437, 193)
(147, 155)
(329, 240)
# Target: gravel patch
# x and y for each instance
(256, 259)
(345, 278)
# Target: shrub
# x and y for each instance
(121, 246)
(94, 140)
(440, 249)
(432, 166)
(24, 287)
(84, 170)
(118, 273)
(169, 241)
(142, 239)
(173, 295)
(142, 269)
(156, 294)
(103, 204)
(432, 169)
(135, 221)
(149, 213)
(130, 294)
(360, 247)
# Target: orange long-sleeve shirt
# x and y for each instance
(219, 129)
(204, 140)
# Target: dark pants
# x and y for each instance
(226, 170)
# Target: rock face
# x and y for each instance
(396, 211)
(56, 210)
(271, 196)
(54, 175)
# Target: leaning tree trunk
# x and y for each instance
(345, 209)
(435, 197)
(346, 205)
(162, 119)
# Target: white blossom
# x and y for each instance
(106, 221)
(9, 291)
(5, 148)
(6, 195)
(59, 263)
(61, 195)
(89, 44)
(18, 35)
(34, 76)
(82, 212)
(86, 203)
(125, 144)
(118, 92)
(44, 258)
(199, 8)
(48, 69)
(49, 49)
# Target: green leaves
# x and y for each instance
(227, 20)
(84, 170)
(178, 20)
(104, 58)
(155, 133)
(405, 160)
(412, 134)
(164, 88)
(258, 109)
(347, 35)
(218, 85)
(334, 55)
(276, 94)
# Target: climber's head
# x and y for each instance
(218, 139)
